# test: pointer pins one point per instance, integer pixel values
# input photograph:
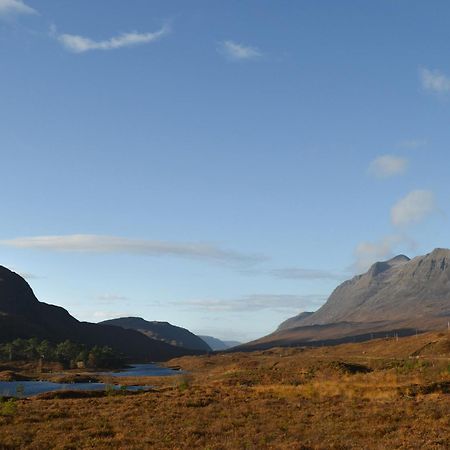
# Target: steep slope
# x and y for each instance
(217, 344)
(399, 295)
(394, 290)
(162, 331)
(22, 315)
(295, 321)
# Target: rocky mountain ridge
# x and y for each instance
(400, 295)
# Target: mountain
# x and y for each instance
(162, 331)
(22, 315)
(400, 296)
(217, 344)
(294, 321)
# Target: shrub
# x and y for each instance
(8, 408)
(184, 383)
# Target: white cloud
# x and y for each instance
(81, 44)
(388, 166)
(297, 273)
(15, 7)
(413, 208)
(239, 52)
(434, 81)
(255, 302)
(113, 244)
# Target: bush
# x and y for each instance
(8, 408)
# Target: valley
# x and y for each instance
(358, 373)
(384, 393)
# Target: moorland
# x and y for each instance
(384, 393)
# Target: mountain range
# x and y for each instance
(400, 296)
(161, 331)
(218, 344)
(22, 315)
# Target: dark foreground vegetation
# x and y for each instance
(68, 353)
(375, 395)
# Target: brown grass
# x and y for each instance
(375, 395)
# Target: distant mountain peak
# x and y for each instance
(218, 344)
(399, 259)
(400, 293)
(440, 253)
(381, 266)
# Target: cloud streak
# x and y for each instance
(110, 298)
(8, 7)
(81, 44)
(297, 273)
(256, 302)
(388, 166)
(413, 144)
(85, 243)
(239, 52)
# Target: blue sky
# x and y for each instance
(219, 165)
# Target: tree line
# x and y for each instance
(70, 354)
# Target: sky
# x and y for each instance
(219, 165)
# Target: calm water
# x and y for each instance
(30, 388)
(144, 370)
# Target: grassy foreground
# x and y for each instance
(381, 394)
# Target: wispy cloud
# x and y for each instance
(9, 7)
(412, 143)
(81, 44)
(297, 273)
(110, 298)
(239, 52)
(434, 81)
(114, 244)
(388, 166)
(275, 302)
(413, 208)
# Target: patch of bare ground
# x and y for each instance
(375, 395)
